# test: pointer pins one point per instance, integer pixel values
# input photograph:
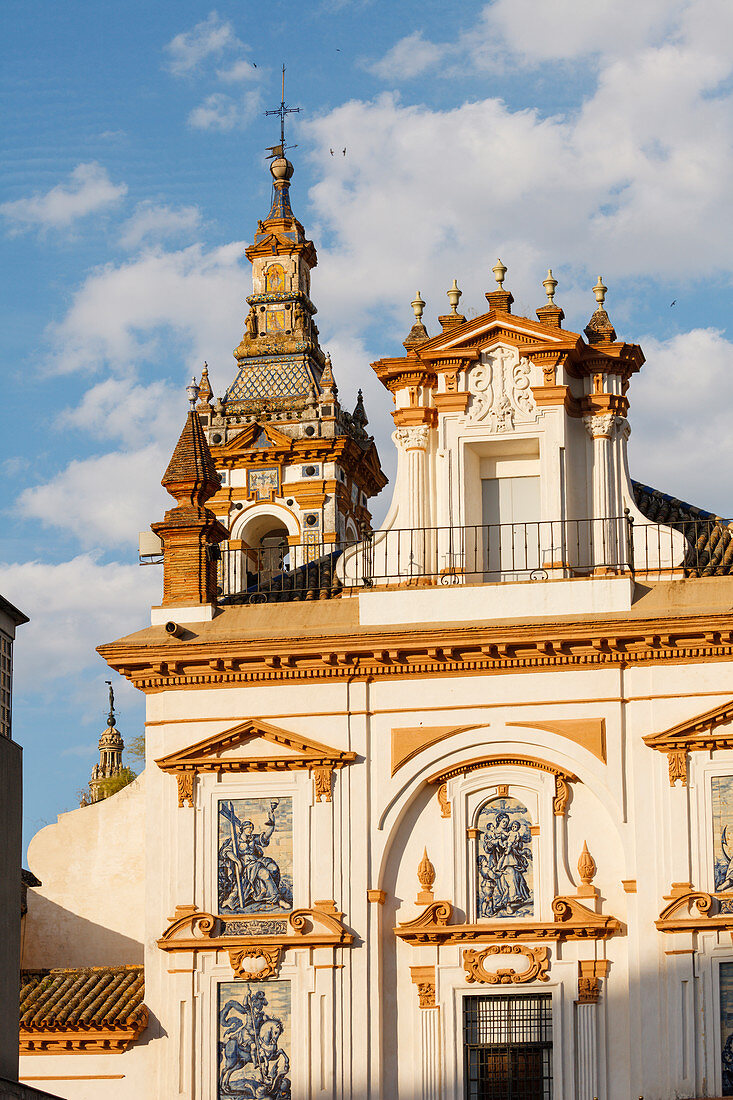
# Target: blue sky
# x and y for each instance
(592, 138)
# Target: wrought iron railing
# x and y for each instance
(480, 554)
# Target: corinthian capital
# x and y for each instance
(413, 438)
(599, 427)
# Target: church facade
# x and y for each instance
(443, 810)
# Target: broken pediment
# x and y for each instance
(254, 746)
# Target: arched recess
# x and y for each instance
(252, 524)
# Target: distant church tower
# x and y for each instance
(297, 469)
(111, 747)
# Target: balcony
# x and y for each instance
(475, 555)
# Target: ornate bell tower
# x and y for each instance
(296, 468)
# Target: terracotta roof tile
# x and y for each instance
(94, 997)
(191, 472)
(709, 538)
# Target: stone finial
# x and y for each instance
(586, 866)
(550, 314)
(192, 392)
(359, 415)
(418, 333)
(500, 299)
(599, 329)
(550, 285)
(426, 878)
(205, 391)
(448, 320)
(587, 871)
(454, 297)
(600, 292)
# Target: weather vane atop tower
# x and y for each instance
(282, 111)
(111, 716)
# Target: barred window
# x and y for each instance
(6, 678)
(508, 1047)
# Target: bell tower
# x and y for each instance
(297, 469)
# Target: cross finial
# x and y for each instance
(282, 111)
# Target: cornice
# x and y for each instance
(571, 921)
(81, 1040)
(420, 651)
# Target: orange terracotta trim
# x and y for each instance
(81, 1040)
(562, 777)
(572, 920)
(424, 978)
(421, 653)
(677, 916)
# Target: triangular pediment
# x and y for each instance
(699, 732)
(254, 746)
(484, 332)
(257, 437)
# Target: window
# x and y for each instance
(726, 1026)
(508, 1047)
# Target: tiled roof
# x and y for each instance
(709, 538)
(191, 465)
(77, 1008)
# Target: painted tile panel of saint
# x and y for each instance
(726, 1026)
(254, 1038)
(255, 869)
(504, 872)
(722, 792)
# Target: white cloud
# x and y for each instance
(680, 411)
(241, 70)
(158, 221)
(222, 112)
(105, 500)
(210, 38)
(73, 607)
(408, 58)
(123, 410)
(166, 306)
(88, 190)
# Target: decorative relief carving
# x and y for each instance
(562, 777)
(590, 972)
(414, 437)
(677, 760)
(604, 425)
(572, 921)
(678, 916)
(443, 800)
(185, 787)
(474, 963)
(322, 777)
(500, 390)
(193, 930)
(424, 978)
(256, 964)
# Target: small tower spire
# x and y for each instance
(111, 747)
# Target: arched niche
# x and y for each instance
(503, 864)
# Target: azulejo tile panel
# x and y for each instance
(722, 799)
(504, 868)
(254, 1040)
(255, 855)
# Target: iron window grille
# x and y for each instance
(508, 1047)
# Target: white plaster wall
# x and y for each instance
(89, 910)
(89, 1076)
